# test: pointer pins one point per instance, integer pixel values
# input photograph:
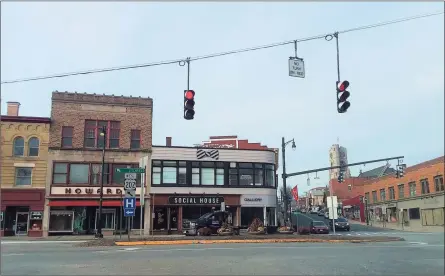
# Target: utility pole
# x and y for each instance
(283, 150)
(101, 195)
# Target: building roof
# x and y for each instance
(25, 119)
(378, 172)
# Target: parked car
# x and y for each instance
(212, 221)
(314, 211)
(319, 227)
(321, 213)
(340, 224)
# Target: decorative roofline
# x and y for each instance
(101, 99)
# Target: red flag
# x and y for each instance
(295, 192)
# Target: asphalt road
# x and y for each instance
(395, 258)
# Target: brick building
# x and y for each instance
(415, 201)
(75, 157)
(24, 149)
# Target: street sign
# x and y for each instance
(129, 206)
(331, 201)
(130, 184)
(130, 193)
(131, 175)
(332, 213)
(296, 67)
(129, 212)
(130, 170)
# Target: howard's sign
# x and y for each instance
(93, 191)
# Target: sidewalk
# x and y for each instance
(77, 237)
(396, 226)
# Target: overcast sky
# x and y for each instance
(396, 72)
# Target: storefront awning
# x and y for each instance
(87, 203)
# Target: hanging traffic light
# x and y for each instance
(189, 104)
(400, 171)
(342, 96)
(340, 177)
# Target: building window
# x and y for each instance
(382, 195)
(233, 175)
(401, 191)
(93, 129)
(79, 173)
(414, 213)
(86, 173)
(374, 196)
(259, 175)
(438, 183)
(19, 146)
(182, 173)
(67, 136)
(23, 176)
(367, 197)
(169, 171)
(135, 142)
(156, 177)
(245, 171)
(270, 175)
(392, 194)
(207, 173)
(195, 173)
(219, 173)
(33, 146)
(412, 189)
(425, 186)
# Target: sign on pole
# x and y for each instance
(130, 170)
(296, 67)
(129, 206)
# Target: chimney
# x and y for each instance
(168, 141)
(13, 108)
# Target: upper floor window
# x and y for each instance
(401, 191)
(19, 146)
(135, 142)
(425, 186)
(382, 195)
(438, 183)
(392, 194)
(95, 137)
(67, 136)
(23, 176)
(374, 196)
(33, 146)
(90, 173)
(412, 188)
(212, 173)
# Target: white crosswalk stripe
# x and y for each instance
(354, 233)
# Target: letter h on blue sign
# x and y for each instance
(129, 203)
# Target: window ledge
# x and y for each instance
(24, 165)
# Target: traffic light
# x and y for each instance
(189, 104)
(340, 177)
(342, 96)
(400, 171)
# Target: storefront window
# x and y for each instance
(160, 218)
(270, 176)
(108, 219)
(61, 221)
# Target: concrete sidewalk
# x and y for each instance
(77, 237)
(399, 227)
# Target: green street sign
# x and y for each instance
(130, 170)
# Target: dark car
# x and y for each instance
(212, 221)
(319, 227)
(340, 224)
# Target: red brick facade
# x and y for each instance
(72, 109)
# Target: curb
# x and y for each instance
(189, 242)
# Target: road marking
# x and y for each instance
(419, 243)
(37, 242)
(13, 254)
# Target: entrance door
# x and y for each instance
(22, 221)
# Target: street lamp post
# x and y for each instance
(101, 195)
(366, 211)
(283, 150)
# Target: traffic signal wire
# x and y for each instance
(328, 36)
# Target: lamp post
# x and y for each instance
(366, 211)
(101, 195)
(283, 150)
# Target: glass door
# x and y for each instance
(22, 220)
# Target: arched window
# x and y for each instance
(19, 146)
(33, 146)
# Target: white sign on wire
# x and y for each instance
(296, 68)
